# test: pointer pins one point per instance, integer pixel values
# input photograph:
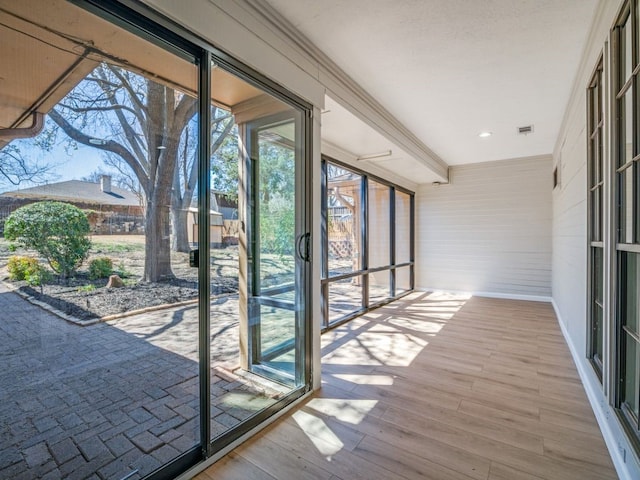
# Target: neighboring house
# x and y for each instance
(111, 210)
(228, 207)
(218, 222)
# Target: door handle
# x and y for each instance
(304, 242)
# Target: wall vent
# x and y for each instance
(525, 130)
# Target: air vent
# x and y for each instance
(527, 129)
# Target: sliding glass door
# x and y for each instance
(182, 323)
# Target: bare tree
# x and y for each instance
(17, 168)
(141, 122)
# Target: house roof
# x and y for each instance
(77, 191)
(224, 201)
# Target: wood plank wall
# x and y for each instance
(489, 230)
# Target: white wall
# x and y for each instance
(488, 231)
(569, 260)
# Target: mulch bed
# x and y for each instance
(72, 298)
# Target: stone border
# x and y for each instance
(45, 306)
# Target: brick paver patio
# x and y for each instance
(108, 400)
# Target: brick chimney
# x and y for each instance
(105, 183)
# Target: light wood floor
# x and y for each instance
(439, 387)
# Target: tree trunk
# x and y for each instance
(157, 258)
(180, 230)
(163, 145)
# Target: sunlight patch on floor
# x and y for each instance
(418, 325)
(316, 430)
(442, 296)
(346, 410)
(247, 401)
(370, 348)
(437, 305)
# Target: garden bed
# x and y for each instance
(76, 300)
(86, 299)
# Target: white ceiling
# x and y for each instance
(450, 69)
(343, 130)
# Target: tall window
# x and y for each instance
(596, 257)
(627, 172)
(368, 242)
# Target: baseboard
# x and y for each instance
(506, 296)
(603, 417)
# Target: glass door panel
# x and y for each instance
(109, 388)
(379, 217)
(276, 250)
(255, 324)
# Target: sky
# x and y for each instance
(68, 164)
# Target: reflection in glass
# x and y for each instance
(596, 215)
(275, 335)
(627, 207)
(597, 274)
(599, 333)
(626, 49)
(627, 134)
(630, 394)
(403, 227)
(344, 220)
(632, 310)
(597, 309)
(272, 324)
(235, 396)
(113, 393)
(379, 219)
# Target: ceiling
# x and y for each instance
(449, 70)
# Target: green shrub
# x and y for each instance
(100, 267)
(277, 226)
(58, 231)
(19, 266)
(38, 275)
(28, 269)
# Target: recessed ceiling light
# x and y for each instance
(485, 134)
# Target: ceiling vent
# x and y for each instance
(527, 129)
